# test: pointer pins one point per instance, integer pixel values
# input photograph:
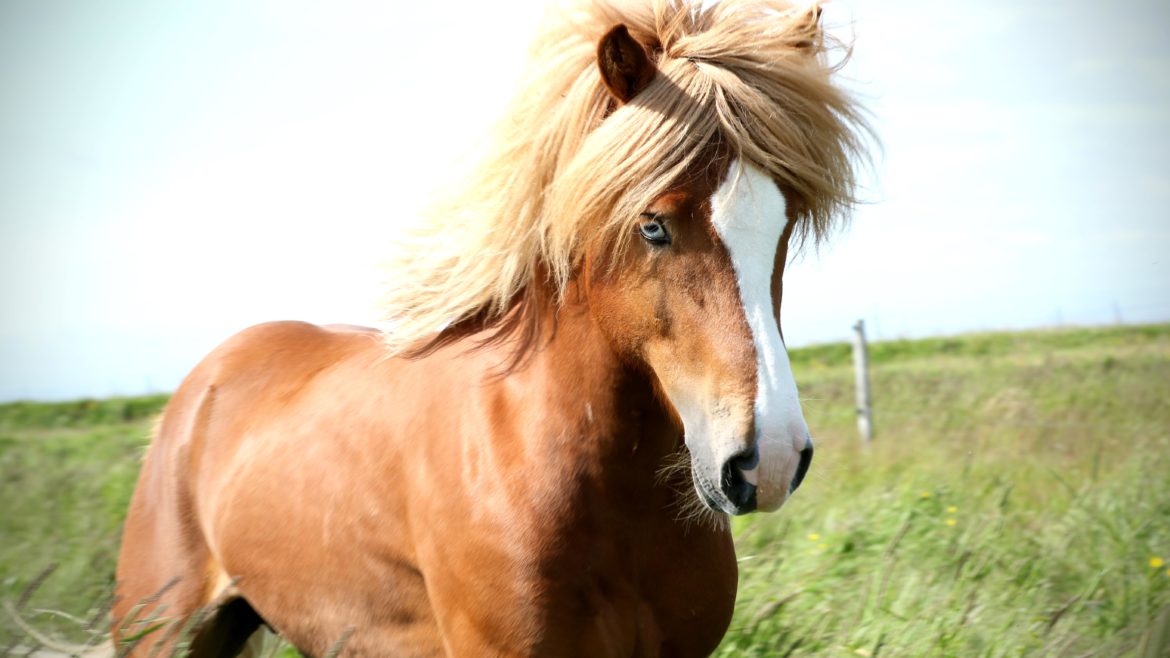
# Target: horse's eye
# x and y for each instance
(653, 231)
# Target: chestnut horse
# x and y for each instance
(492, 475)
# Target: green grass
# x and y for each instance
(16, 416)
(1010, 505)
(1015, 493)
(65, 485)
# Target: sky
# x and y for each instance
(171, 173)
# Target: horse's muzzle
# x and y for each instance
(739, 480)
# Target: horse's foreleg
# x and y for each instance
(226, 630)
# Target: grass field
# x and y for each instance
(1015, 502)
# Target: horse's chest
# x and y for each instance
(648, 590)
(655, 595)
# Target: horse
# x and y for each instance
(581, 376)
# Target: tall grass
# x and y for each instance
(1014, 503)
(63, 493)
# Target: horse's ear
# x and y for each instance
(812, 21)
(625, 68)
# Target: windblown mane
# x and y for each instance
(567, 170)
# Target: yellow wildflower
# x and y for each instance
(951, 522)
(925, 494)
(952, 509)
(812, 536)
(1156, 563)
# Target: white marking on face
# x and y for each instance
(748, 213)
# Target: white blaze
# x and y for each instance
(748, 213)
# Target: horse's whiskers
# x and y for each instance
(689, 509)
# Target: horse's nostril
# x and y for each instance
(806, 456)
(738, 489)
(747, 460)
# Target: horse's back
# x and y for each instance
(269, 363)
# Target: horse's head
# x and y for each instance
(667, 188)
(695, 297)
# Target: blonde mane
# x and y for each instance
(567, 170)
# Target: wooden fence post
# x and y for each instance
(861, 377)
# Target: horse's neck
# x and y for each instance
(610, 406)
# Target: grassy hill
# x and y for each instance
(1015, 502)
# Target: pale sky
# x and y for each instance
(173, 172)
